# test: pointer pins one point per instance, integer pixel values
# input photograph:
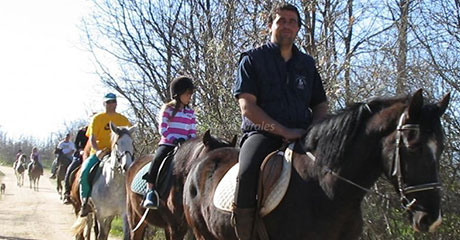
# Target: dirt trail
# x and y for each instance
(29, 215)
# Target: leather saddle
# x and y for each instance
(273, 182)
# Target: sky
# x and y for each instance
(46, 77)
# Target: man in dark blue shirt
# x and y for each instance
(280, 93)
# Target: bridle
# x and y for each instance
(403, 189)
(119, 155)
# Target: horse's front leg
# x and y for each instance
(126, 230)
(104, 227)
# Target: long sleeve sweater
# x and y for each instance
(182, 125)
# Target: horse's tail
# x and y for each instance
(79, 225)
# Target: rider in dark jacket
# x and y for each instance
(280, 93)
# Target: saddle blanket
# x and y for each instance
(139, 185)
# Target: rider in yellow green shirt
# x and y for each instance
(99, 137)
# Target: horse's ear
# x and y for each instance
(207, 137)
(415, 105)
(132, 129)
(443, 104)
(233, 142)
(113, 127)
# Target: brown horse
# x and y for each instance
(35, 172)
(401, 138)
(170, 213)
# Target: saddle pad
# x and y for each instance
(139, 185)
(224, 194)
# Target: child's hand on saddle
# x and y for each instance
(178, 141)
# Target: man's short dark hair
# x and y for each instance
(286, 6)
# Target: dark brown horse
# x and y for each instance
(401, 138)
(62, 163)
(170, 215)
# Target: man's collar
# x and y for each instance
(276, 48)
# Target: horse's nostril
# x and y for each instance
(422, 221)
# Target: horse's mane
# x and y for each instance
(331, 137)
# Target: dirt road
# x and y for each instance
(29, 215)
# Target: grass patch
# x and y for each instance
(117, 227)
(152, 233)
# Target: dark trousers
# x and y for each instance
(160, 154)
(73, 165)
(252, 153)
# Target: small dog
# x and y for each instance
(2, 189)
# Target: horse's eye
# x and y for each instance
(411, 137)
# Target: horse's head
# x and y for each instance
(194, 148)
(22, 159)
(410, 152)
(122, 146)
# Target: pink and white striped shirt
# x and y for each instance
(182, 125)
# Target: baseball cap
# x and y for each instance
(110, 96)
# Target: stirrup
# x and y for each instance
(151, 200)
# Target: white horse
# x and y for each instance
(19, 169)
(108, 194)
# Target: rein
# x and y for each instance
(402, 187)
(119, 157)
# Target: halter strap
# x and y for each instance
(402, 187)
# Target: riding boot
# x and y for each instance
(85, 208)
(243, 222)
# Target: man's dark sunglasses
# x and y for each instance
(111, 101)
